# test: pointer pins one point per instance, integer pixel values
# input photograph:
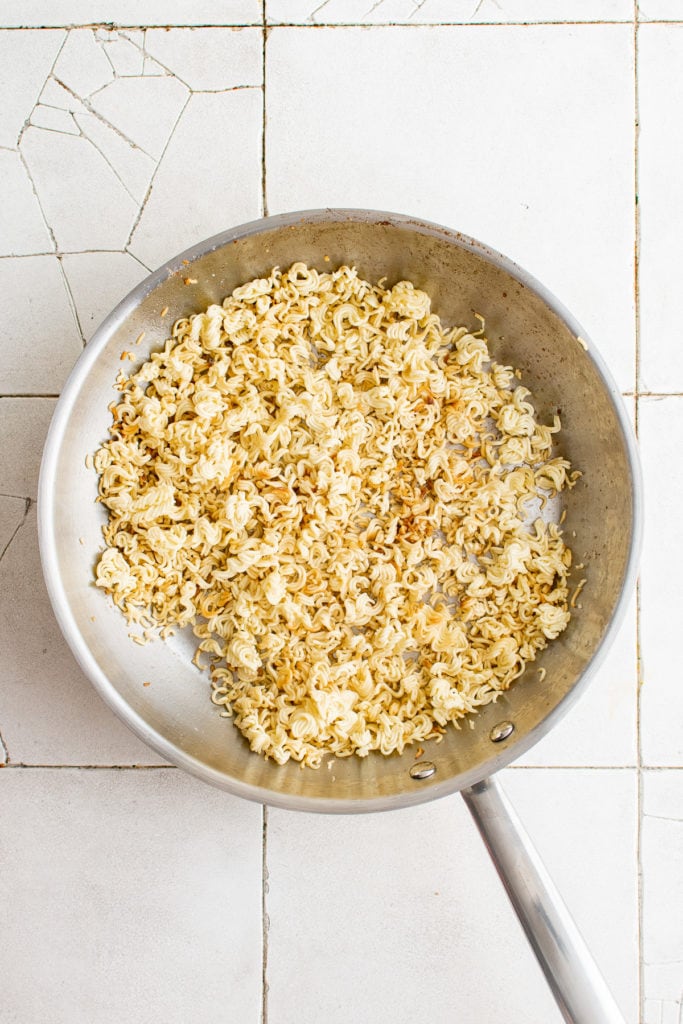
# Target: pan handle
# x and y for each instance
(571, 972)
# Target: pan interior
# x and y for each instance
(525, 329)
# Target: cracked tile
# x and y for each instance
(22, 228)
(126, 57)
(75, 185)
(134, 167)
(50, 712)
(130, 12)
(98, 281)
(662, 859)
(23, 428)
(382, 12)
(220, 189)
(123, 892)
(53, 119)
(82, 64)
(55, 95)
(209, 58)
(143, 109)
(661, 703)
(12, 513)
(25, 62)
(40, 339)
(153, 68)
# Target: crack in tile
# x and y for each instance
(107, 161)
(72, 301)
(55, 131)
(663, 817)
(419, 4)
(311, 16)
(27, 122)
(4, 753)
(154, 174)
(138, 260)
(34, 189)
(378, 3)
(27, 509)
(91, 110)
(172, 74)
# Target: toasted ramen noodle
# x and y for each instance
(341, 497)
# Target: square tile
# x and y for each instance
(666, 10)
(49, 711)
(601, 728)
(130, 12)
(660, 194)
(36, 358)
(662, 857)
(661, 429)
(23, 427)
(399, 910)
(129, 895)
(412, 12)
(539, 165)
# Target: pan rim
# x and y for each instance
(504, 754)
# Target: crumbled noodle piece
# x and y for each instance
(341, 497)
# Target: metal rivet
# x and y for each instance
(501, 731)
(422, 770)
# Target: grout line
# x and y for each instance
(24, 395)
(570, 767)
(264, 192)
(264, 919)
(334, 24)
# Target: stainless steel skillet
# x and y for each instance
(528, 328)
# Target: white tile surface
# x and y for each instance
(400, 911)
(49, 711)
(661, 428)
(33, 297)
(660, 90)
(25, 62)
(22, 228)
(74, 196)
(667, 10)
(539, 165)
(601, 729)
(23, 426)
(218, 190)
(444, 11)
(209, 59)
(98, 282)
(129, 12)
(662, 885)
(128, 896)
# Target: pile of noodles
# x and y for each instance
(342, 499)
